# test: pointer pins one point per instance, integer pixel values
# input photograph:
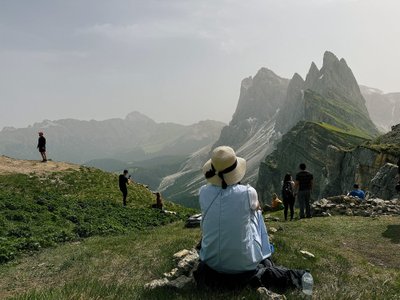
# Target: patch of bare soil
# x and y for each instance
(10, 165)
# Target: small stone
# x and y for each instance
(171, 274)
(156, 283)
(272, 229)
(307, 254)
(188, 262)
(265, 294)
(181, 253)
(180, 282)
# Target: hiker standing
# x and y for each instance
(235, 248)
(304, 185)
(288, 195)
(42, 146)
(124, 179)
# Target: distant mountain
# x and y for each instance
(325, 94)
(250, 132)
(137, 137)
(329, 112)
(384, 109)
(286, 121)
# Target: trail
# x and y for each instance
(10, 165)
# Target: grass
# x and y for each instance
(40, 212)
(342, 113)
(356, 258)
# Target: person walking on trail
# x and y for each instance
(304, 185)
(124, 180)
(235, 249)
(288, 196)
(42, 146)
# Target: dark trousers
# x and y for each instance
(124, 195)
(288, 203)
(272, 277)
(304, 203)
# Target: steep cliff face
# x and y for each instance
(336, 158)
(260, 99)
(307, 142)
(251, 133)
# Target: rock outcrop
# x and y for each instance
(337, 160)
(326, 93)
(352, 206)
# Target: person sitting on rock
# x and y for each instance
(357, 192)
(235, 249)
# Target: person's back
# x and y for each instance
(122, 181)
(357, 192)
(304, 184)
(229, 229)
(304, 179)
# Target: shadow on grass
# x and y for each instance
(393, 233)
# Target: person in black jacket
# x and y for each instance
(123, 181)
(42, 146)
(288, 195)
(304, 185)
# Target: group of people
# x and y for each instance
(235, 249)
(301, 188)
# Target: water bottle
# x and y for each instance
(307, 282)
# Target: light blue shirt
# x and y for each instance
(234, 239)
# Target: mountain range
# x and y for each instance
(277, 123)
(134, 138)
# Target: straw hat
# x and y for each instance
(224, 168)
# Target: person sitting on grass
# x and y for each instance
(235, 249)
(276, 203)
(159, 201)
(357, 192)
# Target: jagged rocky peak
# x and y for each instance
(260, 96)
(312, 75)
(296, 82)
(330, 59)
(247, 83)
(265, 74)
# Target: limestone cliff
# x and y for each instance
(336, 158)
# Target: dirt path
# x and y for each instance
(10, 165)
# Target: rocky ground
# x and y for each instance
(353, 206)
(10, 165)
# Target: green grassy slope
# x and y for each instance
(39, 211)
(356, 258)
(339, 113)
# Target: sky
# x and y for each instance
(174, 60)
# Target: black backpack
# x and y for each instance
(287, 190)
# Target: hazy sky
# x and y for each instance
(179, 61)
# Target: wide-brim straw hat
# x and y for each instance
(224, 158)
